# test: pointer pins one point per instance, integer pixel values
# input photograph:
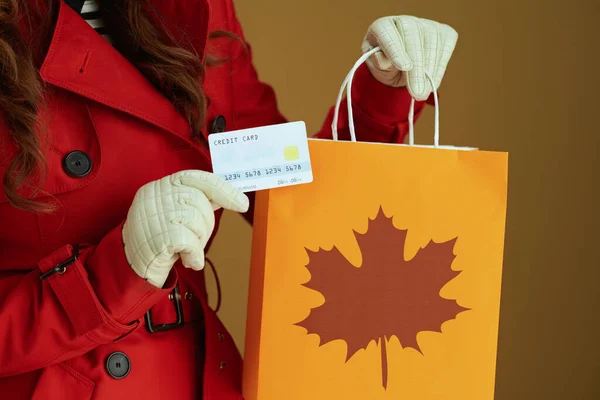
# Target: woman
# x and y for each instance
(107, 204)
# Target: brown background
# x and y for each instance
(522, 80)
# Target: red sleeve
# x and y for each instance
(380, 111)
(255, 103)
(97, 299)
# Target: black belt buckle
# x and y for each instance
(62, 267)
(167, 327)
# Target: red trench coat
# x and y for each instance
(57, 334)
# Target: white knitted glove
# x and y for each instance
(410, 47)
(174, 217)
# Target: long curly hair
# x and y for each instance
(174, 68)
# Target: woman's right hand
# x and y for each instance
(174, 217)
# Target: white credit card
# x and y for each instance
(262, 158)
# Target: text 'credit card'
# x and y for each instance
(262, 158)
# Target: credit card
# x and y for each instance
(262, 158)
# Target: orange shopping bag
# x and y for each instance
(381, 279)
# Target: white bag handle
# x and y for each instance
(348, 85)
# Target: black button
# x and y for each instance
(77, 164)
(219, 125)
(118, 365)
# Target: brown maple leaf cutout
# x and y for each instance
(386, 296)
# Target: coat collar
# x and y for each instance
(81, 61)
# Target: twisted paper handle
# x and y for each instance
(348, 85)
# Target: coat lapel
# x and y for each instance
(81, 61)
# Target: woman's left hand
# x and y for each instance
(410, 47)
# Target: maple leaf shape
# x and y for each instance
(386, 296)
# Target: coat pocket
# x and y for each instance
(60, 381)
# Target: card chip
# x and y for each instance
(291, 153)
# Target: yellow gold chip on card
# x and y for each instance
(291, 153)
